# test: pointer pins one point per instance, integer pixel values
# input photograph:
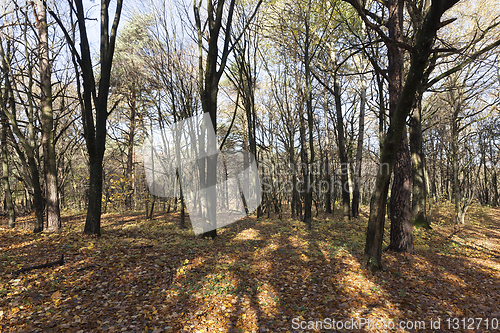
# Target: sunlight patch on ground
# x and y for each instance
(248, 234)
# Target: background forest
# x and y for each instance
(356, 112)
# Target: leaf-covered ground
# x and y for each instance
(263, 275)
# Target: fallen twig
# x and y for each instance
(58, 262)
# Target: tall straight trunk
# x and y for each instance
(328, 176)
(359, 154)
(8, 203)
(308, 181)
(418, 214)
(295, 193)
(494, 181)
(344, 163)
(48, 141)
(129, 199)
(304, 160)
(455, 166)
(381, 115)
(401, 239)
(485, 195)
(424, 41)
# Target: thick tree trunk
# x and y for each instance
(400, 212)
(93, 220)
(400, 202)
(48, 141)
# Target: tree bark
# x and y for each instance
(400, 201)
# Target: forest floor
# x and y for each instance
(265, 275)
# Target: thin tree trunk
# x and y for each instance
(48, 142)
(308, 181)
(28, 145)
(129, 199)
(359, 154)
(344, 163)
(303, 159)
(454, 162)
(8, 203)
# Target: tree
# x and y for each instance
(420, 54)
(210, 72)
(129, 81)
(27, 139)
(95, 96)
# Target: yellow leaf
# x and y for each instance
(56, 295)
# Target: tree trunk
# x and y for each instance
(454, 161)
(129, 199)
(400, 211)
(304, 161)
(8, 203)
(309, 181)
(359, 154)
(400, 202)
(344, 163)
(48, 142)
(93, 220)
(418, 214)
